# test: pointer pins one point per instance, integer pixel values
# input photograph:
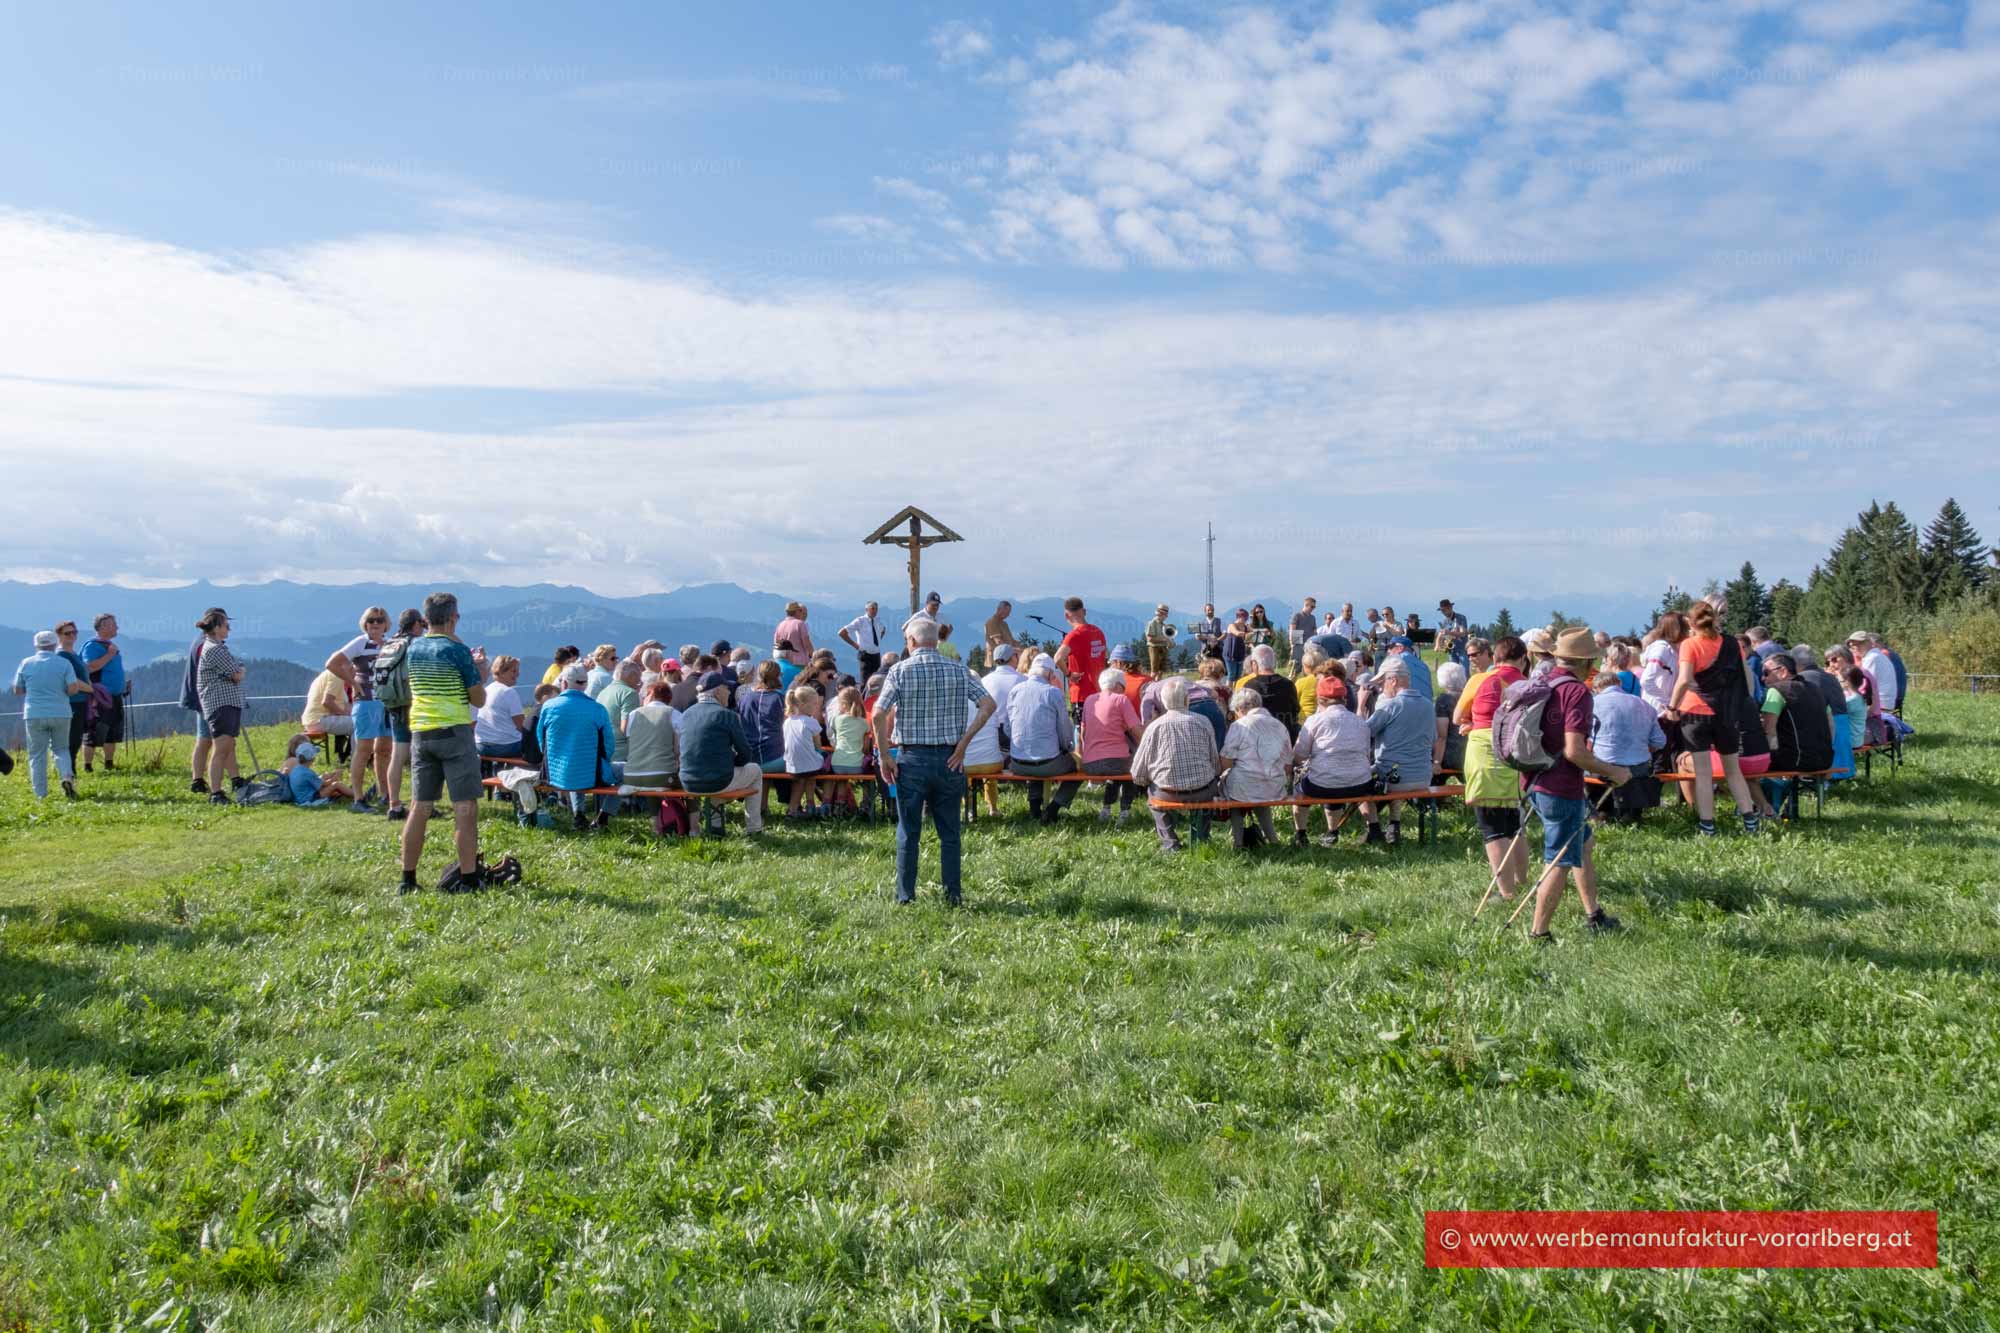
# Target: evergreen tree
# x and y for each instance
(1503, 625)
(1894, 573)
(1747, 602)
(1558, 622)
(1952, 555)
(1673, 599)
(1787, 600)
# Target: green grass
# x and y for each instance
(729, 1086)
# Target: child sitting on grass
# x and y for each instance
(849, 734)
(802, 756)
(307, 787)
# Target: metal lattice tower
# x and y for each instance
(1211, 564)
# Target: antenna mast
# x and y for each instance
(1211, 564)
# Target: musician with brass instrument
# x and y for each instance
(1159, 641)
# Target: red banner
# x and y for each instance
(1680, 1240)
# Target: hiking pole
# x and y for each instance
(1556, 860)
(1494, 883)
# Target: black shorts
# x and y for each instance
(109, 728)
(1307, 787)
(1497, 822)
(225, 721)
(1703, 731)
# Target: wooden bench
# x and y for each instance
(1425, 800)
(633, 793)
(1792, 778)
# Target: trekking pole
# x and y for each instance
(1527, 898)
(1494, 883)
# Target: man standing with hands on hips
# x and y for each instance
(930, 708)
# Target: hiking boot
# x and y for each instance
(1602, 922)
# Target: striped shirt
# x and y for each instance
(441, 678)
(929, 696)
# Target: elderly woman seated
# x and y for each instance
(1177, 760)
(1256, 763)
(1334, 756)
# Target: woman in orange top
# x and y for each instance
(1711, 688)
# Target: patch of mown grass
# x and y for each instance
(728, 1086)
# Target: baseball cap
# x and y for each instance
(306, 753)
(45, 638)
(671, 664)
(576, 673)
(1123, 653)
(1402, 641)
(1861, 636)
(1004, 653)
(718, 680)
(720, 648)
(1331, 687)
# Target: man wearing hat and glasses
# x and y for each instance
(1159, 641)
(1557, 793)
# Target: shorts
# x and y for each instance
(841, 766)
(333, 724)
(1497, 823)
(399, 725)
(1565, 827)
(201, 731)
(371, 720)
(445, 759)
(109, 728)
(1307, 787)
(225, 721)
(1703, 731)
(773, 766)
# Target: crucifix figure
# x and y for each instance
(916, 539)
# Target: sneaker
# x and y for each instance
(110, 767)
(1751, 823)
(1393, 833)
(580, 820)
(1374, 835)
(1124, 817)
(1172, 848)
(371, 796)
(1300, 838)
(1329, 840)
(397, 812)
(238, 783)
(361, 808)
(69, 788)
(217, 798)
(88, 769)
(455, 880)
(1104, 815)
(954, 900)
(1602, 922)
(1542, 936)
(407, 885)
(1705, 829)
(602, 822)
(198, 787)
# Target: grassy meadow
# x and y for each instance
(705, 1085)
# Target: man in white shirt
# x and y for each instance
(1867, 650)
(1344, 625)
(864, 635)
(1041, 738)
(1000, 683)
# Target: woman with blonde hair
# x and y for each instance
(1711, 691)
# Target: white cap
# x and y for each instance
(45, 639)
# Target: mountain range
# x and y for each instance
(304, 622)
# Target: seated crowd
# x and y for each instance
(1362, 720)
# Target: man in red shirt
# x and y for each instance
(1082, 654)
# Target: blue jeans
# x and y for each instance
(924, 783)
(1565, 827)
(50, 736)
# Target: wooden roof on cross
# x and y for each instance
(903, 516)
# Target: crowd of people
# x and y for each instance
(1360, 720)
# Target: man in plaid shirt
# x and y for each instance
(1177, 760)
(937, 707)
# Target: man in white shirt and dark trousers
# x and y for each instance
(864, 635)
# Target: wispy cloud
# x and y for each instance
(959, 42)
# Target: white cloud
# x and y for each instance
(1483, 127)
(960, 43)
(173, 380)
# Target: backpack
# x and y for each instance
(392, 674)
(671, 820)
(266, 788)
(1517, 726)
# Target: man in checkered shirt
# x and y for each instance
(1177, 760)
(937, 707)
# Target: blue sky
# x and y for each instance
(1484, 298)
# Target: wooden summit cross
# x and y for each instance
(916, 539)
